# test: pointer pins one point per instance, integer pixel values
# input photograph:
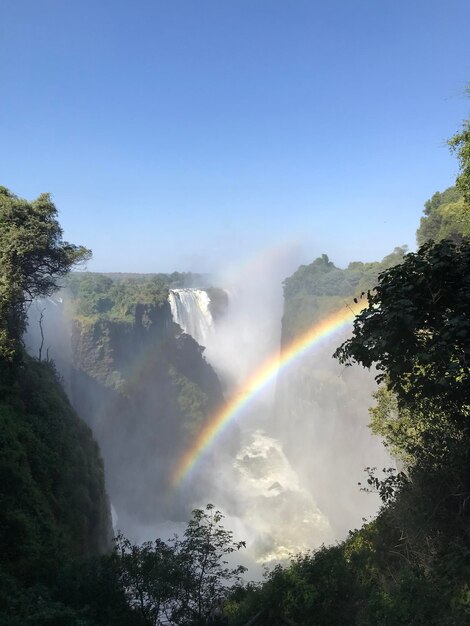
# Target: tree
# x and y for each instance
(153, 578)
(180, 581)
(446, 216)
(33, 256)
(460, 145)
(416, 330)
(205, 546)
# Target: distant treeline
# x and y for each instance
(173, 280)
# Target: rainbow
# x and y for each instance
(266, 373)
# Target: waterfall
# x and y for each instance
(279, 509)
(190, 309)
(274, 505)
(292, 469)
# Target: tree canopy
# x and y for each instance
(33, 256)
(317, 289)
(416, 328)
(180, 581)
(446, 216)
(460, 145)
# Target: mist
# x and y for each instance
(304, 439)
(284, 472)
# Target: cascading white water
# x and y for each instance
(275, 503)
(269, 498)
(190, 309)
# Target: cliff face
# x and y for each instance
(53, 503)
(144, 388)
(326, 405)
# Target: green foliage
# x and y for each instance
(416, 329)
(400, 432)
(371, 578)
(80, 593)
(97, 296)
(52, 489)
(93, 588)
(206, 546)
(180, 581)
(332, 586)
(52, 498)
(53, 505)
(460, 145)
(154, 579)
(317, 289)
(33, 257)
(446, 216)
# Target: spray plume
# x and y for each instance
(265, 374)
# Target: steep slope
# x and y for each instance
(53, 503)
(142, 385)
(321, 408)
(317, 289)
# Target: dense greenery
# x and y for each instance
(460, 145)
(174, 280)
(446, 216)
(182, 580)
(315, 290)
(416, 329)
(130, 364)
(52, 477)
(53, 505)
(97, 296)
(33, 257)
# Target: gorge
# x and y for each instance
(260, 420)
(143, 365)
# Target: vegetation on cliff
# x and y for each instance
(54, 508)
(317, 289)
(140, 383)
(446, 216)
(98, 296)
(115, 296)
(33, 256)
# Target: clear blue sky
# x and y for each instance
(180, 134)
